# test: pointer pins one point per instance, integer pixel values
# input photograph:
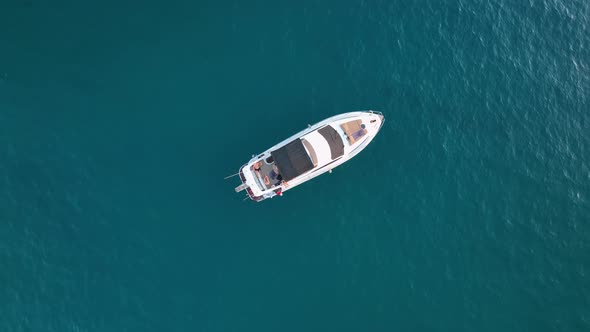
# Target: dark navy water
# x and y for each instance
(469, 212)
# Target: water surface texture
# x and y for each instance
(469, 212)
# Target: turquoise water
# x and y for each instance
(469, 212)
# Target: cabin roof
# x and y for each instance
(334, 140)
(292, 160)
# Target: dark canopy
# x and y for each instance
(292, 160)
(334, 140)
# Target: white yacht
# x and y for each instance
(309, 153)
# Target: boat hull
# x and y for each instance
(352, 145)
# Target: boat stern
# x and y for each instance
(249, 184)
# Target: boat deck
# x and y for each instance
(265, 171)
(353, 130)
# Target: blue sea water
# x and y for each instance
(469, 212)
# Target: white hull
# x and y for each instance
(319, 150)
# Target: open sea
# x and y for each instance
(119, 120)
